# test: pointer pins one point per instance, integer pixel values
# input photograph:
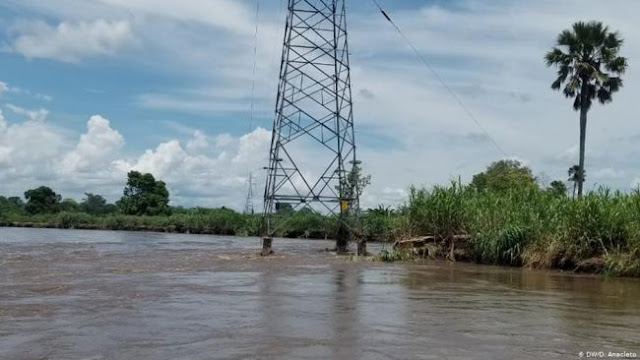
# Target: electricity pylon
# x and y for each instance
(248, 205)
(313, 146)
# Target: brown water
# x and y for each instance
(118, 295)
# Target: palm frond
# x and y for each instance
(572, 86)
(563, 74)
(617, 65)
(613, 41)
(604, 96)
(592, 90)
(613, 84)
(556, 56)
(577, 103)
(587, 60)
(568, 38)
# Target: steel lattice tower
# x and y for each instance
(248, 206)
(313, 142)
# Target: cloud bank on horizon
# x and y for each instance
(92, 89)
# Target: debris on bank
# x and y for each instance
(452, 248)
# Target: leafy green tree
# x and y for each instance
(16, 201)
(113, 208)
(557, 188)
(353, 185)
(350, 188)
(143, 195)
(42, 200)
(589, 66)
(284, 209)
(7, 207)
(11, 205)
(69, 205)
(96, 205)
(504, 175)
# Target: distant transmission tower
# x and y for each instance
(313, 143)
(248, 206)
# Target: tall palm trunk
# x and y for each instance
(583, 133)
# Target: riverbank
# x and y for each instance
(599, 233)
(192, 221)
(172, 229)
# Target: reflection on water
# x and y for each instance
(105, 295)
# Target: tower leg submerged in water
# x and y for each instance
(313, 145)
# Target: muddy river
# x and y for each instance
(119, 295)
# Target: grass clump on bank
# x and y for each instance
(597, 233)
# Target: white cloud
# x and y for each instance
(410, 131)
(72, 41)
(189, 104)
(5, 151)
(96, 149)
(223, 141)
(569, 154)
(226, 14)
(35, 95)
(493, 60)
(198, 143)
(166, 158)
(206, 100)
(386, 196)
(259, 139)
(28, 152)
(200, 173)
(5, 88)
(33, 115)
(607, 174)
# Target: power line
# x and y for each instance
(440, 79)
(255, 61)
(249, 201)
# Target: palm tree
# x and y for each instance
(574, 177)
(589, 66)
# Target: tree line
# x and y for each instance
(142, 195)
(506, 175)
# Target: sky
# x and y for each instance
(91, 89)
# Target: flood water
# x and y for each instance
(119, 295)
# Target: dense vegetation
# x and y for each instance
(533, 227)
(521, 224)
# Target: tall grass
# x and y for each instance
(439, 212)
(600, 232)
